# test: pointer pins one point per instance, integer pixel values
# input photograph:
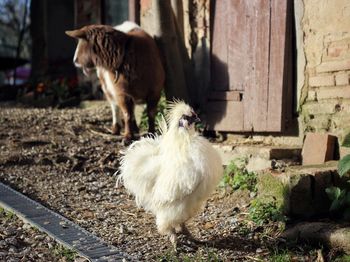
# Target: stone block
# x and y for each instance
(333, 66)
(274, 187)
(345, 106)
(225, 152)
(311, 95)
(342, 79)
(321, 180)
(258, 157)
(320, 107)
(269, 152)
(336, 50)
(300, 195)
(333, 92)
(285, 153)
(325, 80)
(320, 122)
(257, 164)
(299, 191)
(318, 148)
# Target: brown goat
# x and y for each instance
(129, 67)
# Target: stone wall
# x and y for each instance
(326, 27)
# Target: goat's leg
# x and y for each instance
(102, 77)
(126, 105)
(115, 125)
(151, 113)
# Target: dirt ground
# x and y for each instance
(66, 160)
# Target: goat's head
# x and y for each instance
(98, 45)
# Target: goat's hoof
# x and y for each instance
(127, 141)
(115, 130)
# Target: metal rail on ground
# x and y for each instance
(60, 228)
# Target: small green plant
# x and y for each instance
(340, 200)
(244, 229)
(237, 176)
(344, 163)
(341, 197)
(8, 215)
(280, 256)
(342, 258)
(262, 213)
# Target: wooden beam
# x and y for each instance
(134, 11)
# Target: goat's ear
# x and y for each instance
(79, 33)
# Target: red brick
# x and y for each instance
(318, 148)
(332, 66)
(342, 79)
(326, 80)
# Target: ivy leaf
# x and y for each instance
(344, 165)
(333, 192)
(346, 141)
(336, 204)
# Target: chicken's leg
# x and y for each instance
(182, 229)
(173, 239)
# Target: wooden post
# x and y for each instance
(134, 11)
(165, 33)
(177, 7)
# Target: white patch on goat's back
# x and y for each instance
(127, 26)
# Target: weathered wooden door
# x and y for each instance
(247, 65)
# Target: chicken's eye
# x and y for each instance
(186, 117)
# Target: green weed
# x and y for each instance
(237, 176)
(261, 212)
(8, 215)
(62, 251)
(343, 258)
(341, 197)
(280, 256)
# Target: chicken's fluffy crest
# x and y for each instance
(175, 110)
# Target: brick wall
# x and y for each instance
(326, 27)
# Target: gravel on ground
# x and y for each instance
(67, 160)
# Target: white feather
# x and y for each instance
(174, 174)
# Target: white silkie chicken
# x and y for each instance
(172, 175)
